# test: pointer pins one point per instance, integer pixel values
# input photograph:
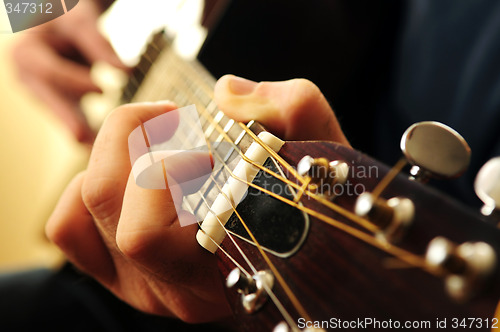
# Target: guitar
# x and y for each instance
(297, 257)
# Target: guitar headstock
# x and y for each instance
(404, 253)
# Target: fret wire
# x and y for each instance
(239, 138)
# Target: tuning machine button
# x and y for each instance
(323, 174)
(253, 289)
(435, 150)
(392, 216)
(466, 266)
(487, 186)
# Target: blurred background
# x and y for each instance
(38, 154)
(38, 158)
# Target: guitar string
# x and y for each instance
(351, 216)
(295, 301)
(274, 298)
(288, 318)
(285, 314)
(412, 259)
(408, 257)
(269, 291)
(380, 187)
(403, 255)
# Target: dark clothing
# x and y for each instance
(70, 301)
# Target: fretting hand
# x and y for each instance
(129, 238)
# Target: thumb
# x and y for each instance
(294, 109)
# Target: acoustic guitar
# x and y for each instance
(326, 237)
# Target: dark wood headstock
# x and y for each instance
(335, 275)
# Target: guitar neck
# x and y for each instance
(161, 74)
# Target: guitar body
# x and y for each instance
(337, 276)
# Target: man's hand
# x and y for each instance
(129, 238)
(293, 110)
(54, 61)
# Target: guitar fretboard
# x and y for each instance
(162, 75)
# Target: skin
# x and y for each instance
(129, 238)
(54, 61)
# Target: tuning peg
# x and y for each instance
(323, 173)
(487, 186)
(435, 150)
(466, 266)
(243, 284)
(253, 289)
(393, 216)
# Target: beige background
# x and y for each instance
(37, 159)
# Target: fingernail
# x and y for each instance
(241, 86)
(164, 103)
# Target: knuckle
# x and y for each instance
(131, 244)
(118, 115)
(100, 196)
(305, 91)
(304, 96)
(56, 230)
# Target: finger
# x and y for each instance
(39, 59)
(71, 227)
(82, 29)
(54, 81)
(294, 109)
(188, 169)
(149, 235)
(109, 164)
(67, 110)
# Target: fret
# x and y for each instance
(212, 126)
(211, 109)
(228, 126)
(240, 137)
